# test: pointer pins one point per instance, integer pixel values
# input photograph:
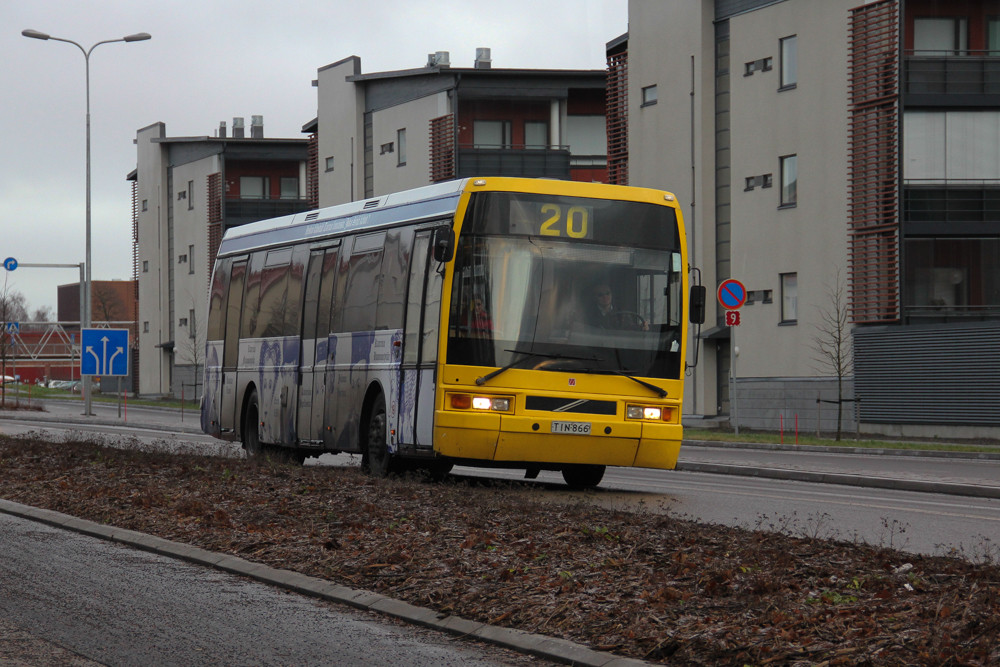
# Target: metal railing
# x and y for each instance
(965, 73)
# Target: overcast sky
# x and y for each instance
(208, 61)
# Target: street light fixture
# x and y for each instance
(85, 307)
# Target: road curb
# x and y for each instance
(550, 648)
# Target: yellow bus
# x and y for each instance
(510, 322)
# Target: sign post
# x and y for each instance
(732, 295)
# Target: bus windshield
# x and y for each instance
(568, 284)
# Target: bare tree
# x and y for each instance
(190, 344)
(12, 309)
(834, 353)
(42, 314)
(109, 307)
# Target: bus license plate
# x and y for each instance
(572, 428)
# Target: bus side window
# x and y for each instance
(395, 264)
(218, 300)
(362, 283)
(325, 310)
(415, 297)
(296, 274)
(251, 301)
(274, 303)
(234, 309)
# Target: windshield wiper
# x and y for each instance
(662, 393)
(514, 362)
(528, 355)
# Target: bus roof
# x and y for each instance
(426, 202)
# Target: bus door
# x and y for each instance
(320, 275)
(231, 345)
(420, 342)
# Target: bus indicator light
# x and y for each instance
(461, 401)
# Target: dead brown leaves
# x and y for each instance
(641, 585)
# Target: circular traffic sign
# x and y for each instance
(732, 294)
(10, 264)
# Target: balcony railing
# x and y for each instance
(931, 78)
(952, 207)
(242, 211)
(513, 160)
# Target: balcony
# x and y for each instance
(241, 211)
(514, 160)
(934, 80)
(952, 208)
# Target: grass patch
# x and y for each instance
(765, 437)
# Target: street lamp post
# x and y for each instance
(85, 307)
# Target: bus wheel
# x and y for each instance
(251, 428)
(376, 458)
(583, 476)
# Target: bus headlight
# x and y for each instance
(648, 412)
(490, 403)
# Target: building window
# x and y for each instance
(190, 195)
(190, 259)
(762, 181)
(182, 259)
(386, 148)
(789, 62)
(536, 134)
(789, 298)
(649, 95)
(289, 187)
(993, 37)
(183, 322)
(491, 134)
(145, 266)
(329, 163)
(145, 204)
(761, 65)
(789, 180)
(941, 36)
(192, 329)
(252, 187)
(401, 148)
(145, 327)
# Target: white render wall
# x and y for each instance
(809, 121)
(415, 117)
(191, 277)
(154, 364)
(340, 111)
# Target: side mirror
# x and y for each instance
(443, 242)
(696, 310)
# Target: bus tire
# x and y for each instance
(583, 476)
(251, 427)
(376, 459)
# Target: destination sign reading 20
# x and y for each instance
(611, 222)
(561, 220)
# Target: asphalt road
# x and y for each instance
(70, 599)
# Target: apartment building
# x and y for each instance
(383, 132)
(187, 191)
(837, 157)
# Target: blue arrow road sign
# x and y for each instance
(104, 352)
(10, 264)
